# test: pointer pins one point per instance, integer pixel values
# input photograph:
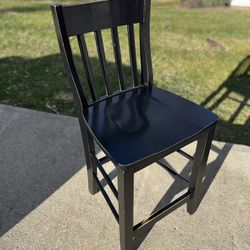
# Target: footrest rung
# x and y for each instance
(155, 217)
(172, 172)
(183, 153)
(104, 159)
(106, 177)
(106, 197)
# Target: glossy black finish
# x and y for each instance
(149, 119)
(83, 18)
(106, 177)
(118, 58)
(198, 169)
(126, 206)
(102, 60)
(132, 53)
(161, 213)
(76, 20)
(106, 197)
(172, 172)
(134, 127)
(87, 66)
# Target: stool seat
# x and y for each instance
(143, 122)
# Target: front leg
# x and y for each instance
(126, 203)
(198, 169)
(89, 148)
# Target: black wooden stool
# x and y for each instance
(133, 126)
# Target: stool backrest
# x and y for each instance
(79, 19)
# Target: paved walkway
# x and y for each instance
(44, 202)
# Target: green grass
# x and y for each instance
(194, 52)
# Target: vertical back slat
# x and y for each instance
(94, 17)
(143, 55)
(146, 63)
(66, 52)
(118, 59)
(87, 66)
(132, 53)
(102, 59)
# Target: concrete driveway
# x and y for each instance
(44, 202)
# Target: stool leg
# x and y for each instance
(198, 169)
(89, 148)
(126, 203)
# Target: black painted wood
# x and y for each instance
(158, 215)
(105, 195)
(83, 18)
(105, 175)
(66, 52)
(118, 58)
(134, 127)
(103, 62)
(146, 64)
(132, 53)
(87, 67)
(139, 124)
(76, 20)
(143, 56)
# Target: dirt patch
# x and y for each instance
(192, 4)
(204, 3)
(64, 96)
(214, 45)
